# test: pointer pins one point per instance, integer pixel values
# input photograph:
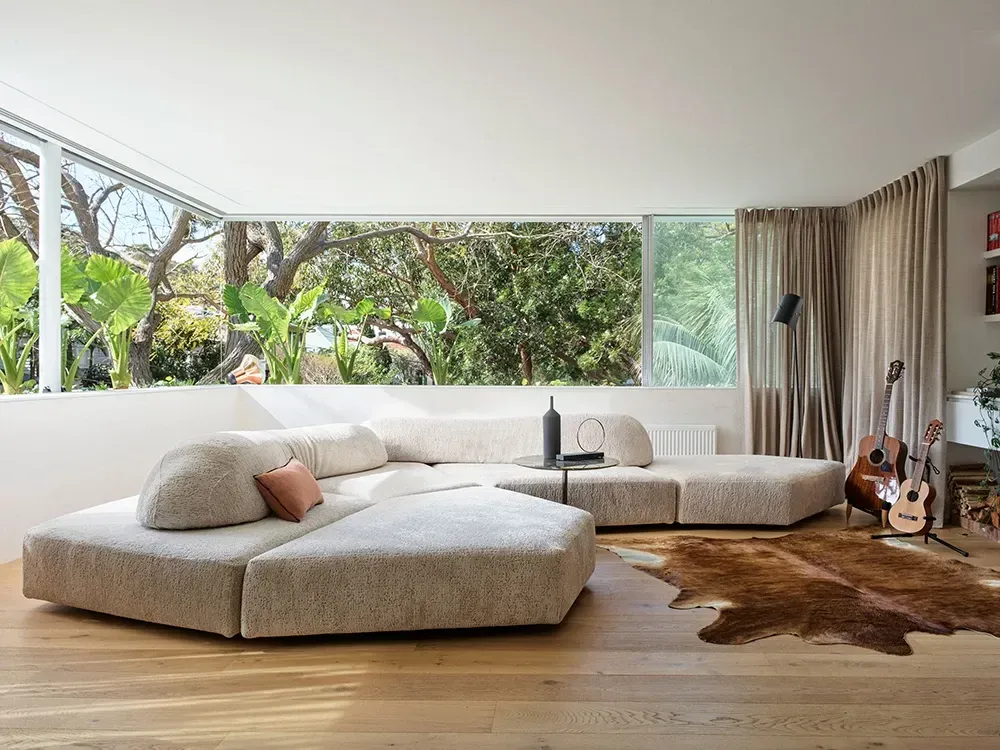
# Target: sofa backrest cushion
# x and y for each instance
(209, 482)
(330, 450)
(454, 440)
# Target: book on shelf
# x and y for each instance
(991, 290)
(993, 231)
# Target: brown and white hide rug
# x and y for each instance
(832, 587)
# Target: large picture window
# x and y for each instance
(694, 302)
(154, 295)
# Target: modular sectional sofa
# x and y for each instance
(425, 524)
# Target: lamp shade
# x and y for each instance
(789, 310)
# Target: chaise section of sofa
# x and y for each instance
(477, 557)
(103, 560)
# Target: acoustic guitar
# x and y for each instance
(911, 513)
(881, 464)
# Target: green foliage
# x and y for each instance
(280, 331)
(694, 293)
(987, 400)
(185, 346)
(70, 369)
(439, 334)
(343, 318)
(117, 298)
(18, 334)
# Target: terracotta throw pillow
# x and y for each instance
(289, 491)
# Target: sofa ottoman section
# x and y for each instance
(466, 558)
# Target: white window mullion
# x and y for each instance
(49, 272)
(647, 300)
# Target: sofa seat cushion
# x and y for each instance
(464, 558)
(768, 490)
(103, 560)
(436, 440)
(621, 495)
(393, 479)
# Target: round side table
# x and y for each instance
(548, 464)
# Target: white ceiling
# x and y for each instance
(508, 107)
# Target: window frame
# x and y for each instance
(51, 336)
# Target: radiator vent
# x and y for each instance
(682, 440)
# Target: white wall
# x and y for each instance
(67, 452)
(62, 453)
(967, 336)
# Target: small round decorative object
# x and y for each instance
(590, 435)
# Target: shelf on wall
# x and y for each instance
(992, 255)
(992, 318)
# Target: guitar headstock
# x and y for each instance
(895, 372)
(933, 431)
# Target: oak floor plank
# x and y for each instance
(623, 662)
(416, 741)
(741, 720)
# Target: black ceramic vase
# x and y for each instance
(551, 432)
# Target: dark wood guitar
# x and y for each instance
(880, 468)
(911, 513)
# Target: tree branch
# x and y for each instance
(20, 188)
(98, 198)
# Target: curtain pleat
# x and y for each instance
(797, 251)
(895, 310)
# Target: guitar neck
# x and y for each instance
(918, 471)
(883, 419)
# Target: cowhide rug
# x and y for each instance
(835, 587)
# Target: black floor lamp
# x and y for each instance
(788, 312)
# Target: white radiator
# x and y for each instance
(682, 440)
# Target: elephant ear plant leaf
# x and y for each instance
(279, 330)
(118, 299)
(345, 318)
(438, 333)
(18, 280)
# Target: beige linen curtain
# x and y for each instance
(799, 251)
(894, 309)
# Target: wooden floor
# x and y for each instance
(623, 671)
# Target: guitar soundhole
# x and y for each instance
(913, 496)
(876, 457)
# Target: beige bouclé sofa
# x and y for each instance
(425, 524)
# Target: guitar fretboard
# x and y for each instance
(883, 419)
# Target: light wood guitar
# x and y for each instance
(911, 513)
(880, 467)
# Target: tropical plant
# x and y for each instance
(18, 279)
(344, 318)
(72, 368)
(279, 330)
(116, 297)
(438, 333)
(986, 397)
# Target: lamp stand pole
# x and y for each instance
(798, 394)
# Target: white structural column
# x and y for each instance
(49, 276)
